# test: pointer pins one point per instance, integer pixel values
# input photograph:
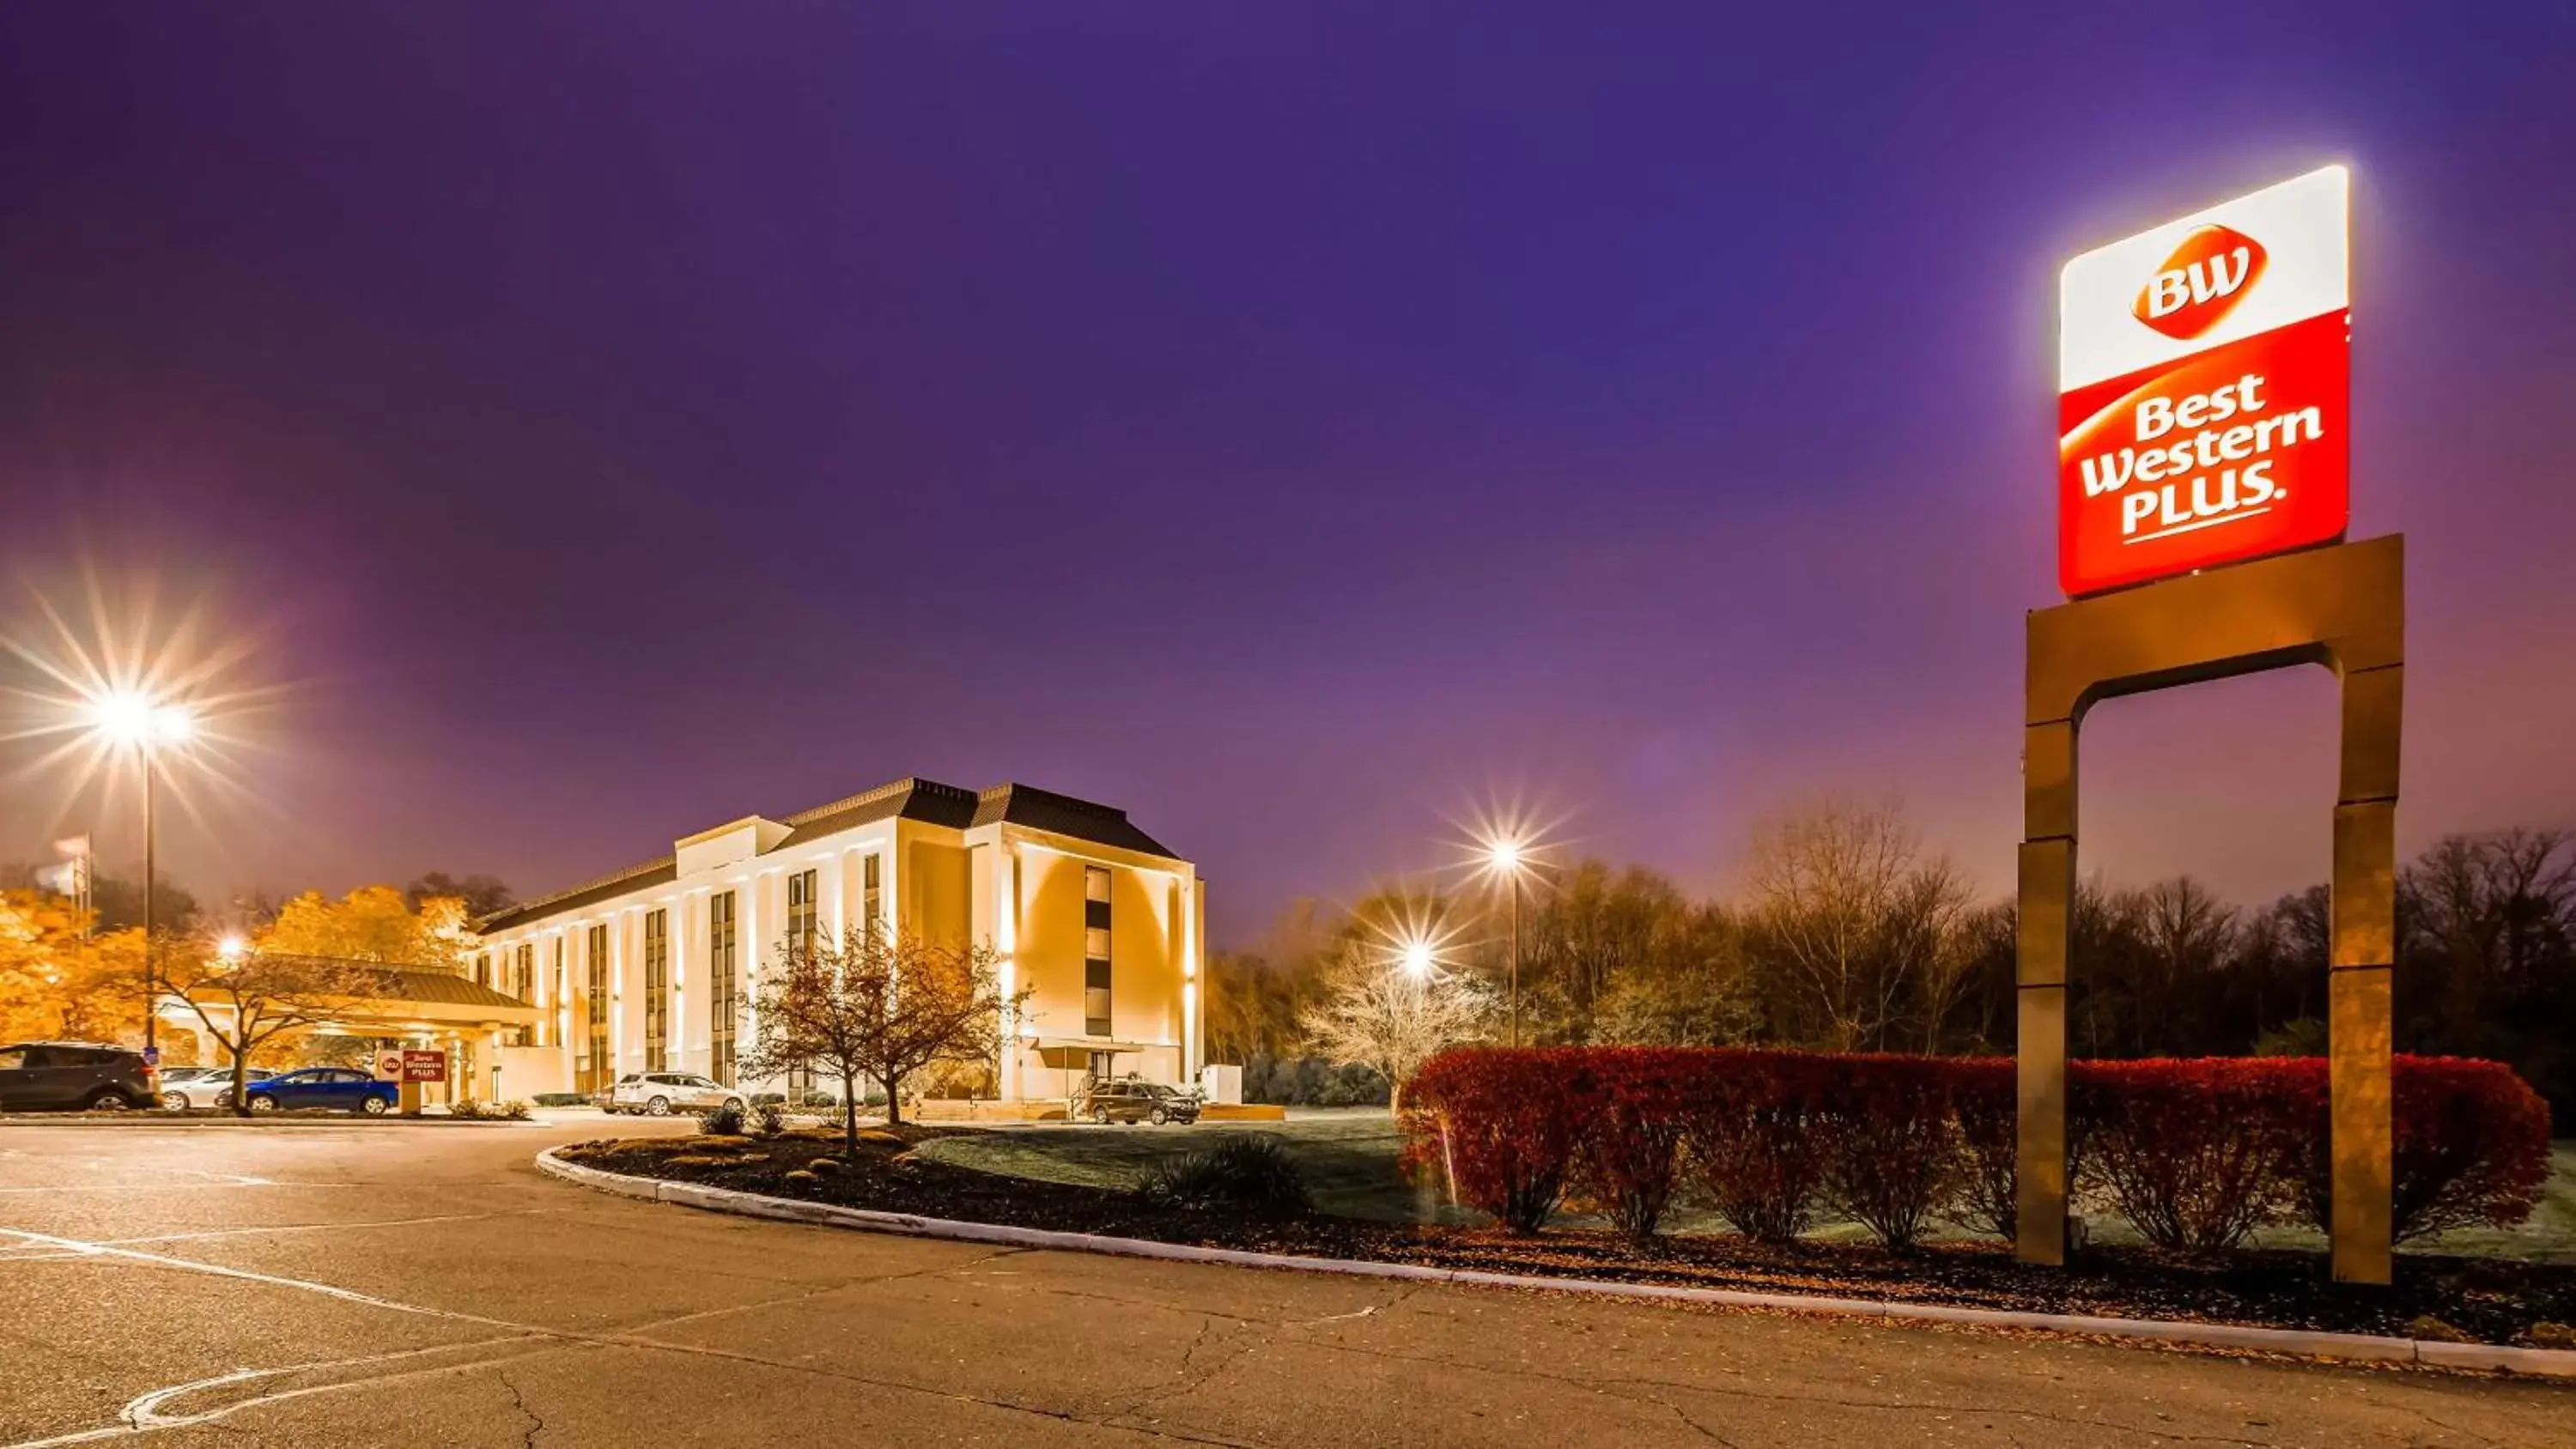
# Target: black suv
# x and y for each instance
(74, 1076)
(1133, 1101)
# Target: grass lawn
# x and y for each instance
(1349, 1158)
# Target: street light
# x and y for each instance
(232, 947)
(133, 719)
(1417, 958)
(1508, 857)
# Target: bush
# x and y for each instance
(1311, 1082)
(1254, 1172)
(824, 1166)
(513, 1110)
(801, 1181)
(1985, 1103)
(767, 1120)
(1756, 1140)
(2472, 1148)
(466, 1109)
(2196, 1154)
(1501, 1125)
(724, 1120)
(1890, 1146)
(1628, 1162)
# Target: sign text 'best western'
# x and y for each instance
(2203, 388)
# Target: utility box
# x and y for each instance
(1221, 1083)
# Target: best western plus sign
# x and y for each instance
(2204, 377)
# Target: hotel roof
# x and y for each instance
(911, 798)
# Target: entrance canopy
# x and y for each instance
(391, 1001)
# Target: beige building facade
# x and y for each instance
(657, 967)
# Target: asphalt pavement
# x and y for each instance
(391, 1284)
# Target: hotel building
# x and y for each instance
(653, 968)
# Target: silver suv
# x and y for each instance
(659, 1094)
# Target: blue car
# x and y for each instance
(337, 1088)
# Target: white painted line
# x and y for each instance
(142, 1414)
(78, 1248)
(313, 1227)
(2547, 1363)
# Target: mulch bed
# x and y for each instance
(2485, 1300)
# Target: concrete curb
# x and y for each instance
(2356, 1347)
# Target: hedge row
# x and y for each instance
(2194, 1154)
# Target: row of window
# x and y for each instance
(723, 944)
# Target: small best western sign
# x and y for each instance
(2204, 377)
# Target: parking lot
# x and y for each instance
(386, 1283)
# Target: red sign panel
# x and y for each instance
(2205, 388)
(424, 1066)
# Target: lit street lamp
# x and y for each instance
(1417, 958)
(131, 719)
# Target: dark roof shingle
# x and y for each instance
(911, 798)
(1065, 815)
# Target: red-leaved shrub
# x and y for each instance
(1890, 1149)
(2472, 1149)
(1628, 1159)
(1984, 1100)
(1502, 1126)
(2197, 1154)
(1755, 1129)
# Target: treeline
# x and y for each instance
(1849, 937)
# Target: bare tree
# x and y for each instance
(1392, 1020)
(245, 1001)
(874, 1007)
(1854, 914)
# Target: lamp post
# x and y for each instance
(131, 718)
(1504, 857)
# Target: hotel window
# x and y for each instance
(555, 998)
(523, 970)
(800, 936)
(595, 967)
(800, 911)
(720, 968)
(657, 991)
(872, 896)
(483, 969)
(1095, 951)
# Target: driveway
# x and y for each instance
(413, 1285)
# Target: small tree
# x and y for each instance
(245, 1001)
(875, 1007)
(1391, 1019)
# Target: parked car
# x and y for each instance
(1133, 1101)
(185, 1087)
(74, 1076)
(339, 1089)
(658, 1094)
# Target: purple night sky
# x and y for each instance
(1297, 424)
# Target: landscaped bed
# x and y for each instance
(2482, 1299)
